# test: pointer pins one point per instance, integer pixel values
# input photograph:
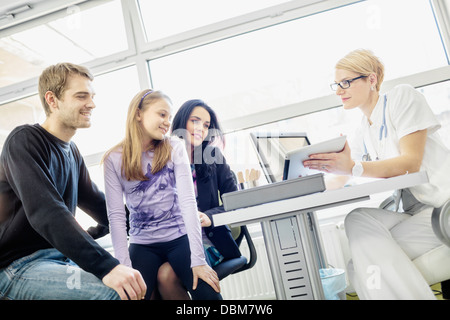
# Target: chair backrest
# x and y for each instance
(440, 218)
(441, 227)
(441, 224)
(251, 247)
(241, 263)
(245, 234)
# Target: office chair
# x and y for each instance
(434, 265)
(232, 266)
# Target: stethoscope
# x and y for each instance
(383, 131)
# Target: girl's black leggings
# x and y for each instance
(148, 258)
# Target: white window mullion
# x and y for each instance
(327, 102)
(239, 25)
(442, 14)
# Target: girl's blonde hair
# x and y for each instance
(364, 62)
(131, 145)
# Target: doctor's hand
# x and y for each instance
(207, 274)
(339, 163)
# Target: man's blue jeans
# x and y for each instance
(48, 275)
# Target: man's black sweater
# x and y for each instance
(42, 181)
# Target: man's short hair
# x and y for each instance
(54, 79)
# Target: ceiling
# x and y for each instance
(37, 9)
(8, 5)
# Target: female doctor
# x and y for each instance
(397, 136)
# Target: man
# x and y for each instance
(44, 253)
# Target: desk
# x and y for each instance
(291, 234)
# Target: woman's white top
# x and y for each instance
(406, 112)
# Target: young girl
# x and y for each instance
(152, 173)
(196, 123)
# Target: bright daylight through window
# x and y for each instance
(77, 37)
(263, 70)
(263, 65)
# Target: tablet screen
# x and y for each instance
(294, 159)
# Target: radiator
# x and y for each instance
(253, 284)
(332, 243)
(256, 283)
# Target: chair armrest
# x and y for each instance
(440, 222)
(388, 203)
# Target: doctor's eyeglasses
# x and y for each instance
(345, 84)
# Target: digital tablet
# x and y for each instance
(293, 167)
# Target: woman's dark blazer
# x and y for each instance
(218, 181)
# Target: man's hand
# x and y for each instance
(127, 282)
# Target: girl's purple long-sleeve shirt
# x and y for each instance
(162, 208)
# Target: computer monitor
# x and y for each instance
(272, 148)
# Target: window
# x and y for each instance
(108, 121)
(208, 49)
(27, 110)
(114, 91)
(108, 118)
(79, 37)
(96, 174)
(240, 153)
(294, 61)
(169, 17)
(438, 97)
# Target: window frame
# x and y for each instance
(328, 102)
(140, 51)
(117, 60)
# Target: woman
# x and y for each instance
(196, 123)
(152, 173)
(397, 136)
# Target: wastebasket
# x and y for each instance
(333, 282)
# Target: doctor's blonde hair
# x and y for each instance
(364, 62)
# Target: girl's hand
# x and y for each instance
(207, 274)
